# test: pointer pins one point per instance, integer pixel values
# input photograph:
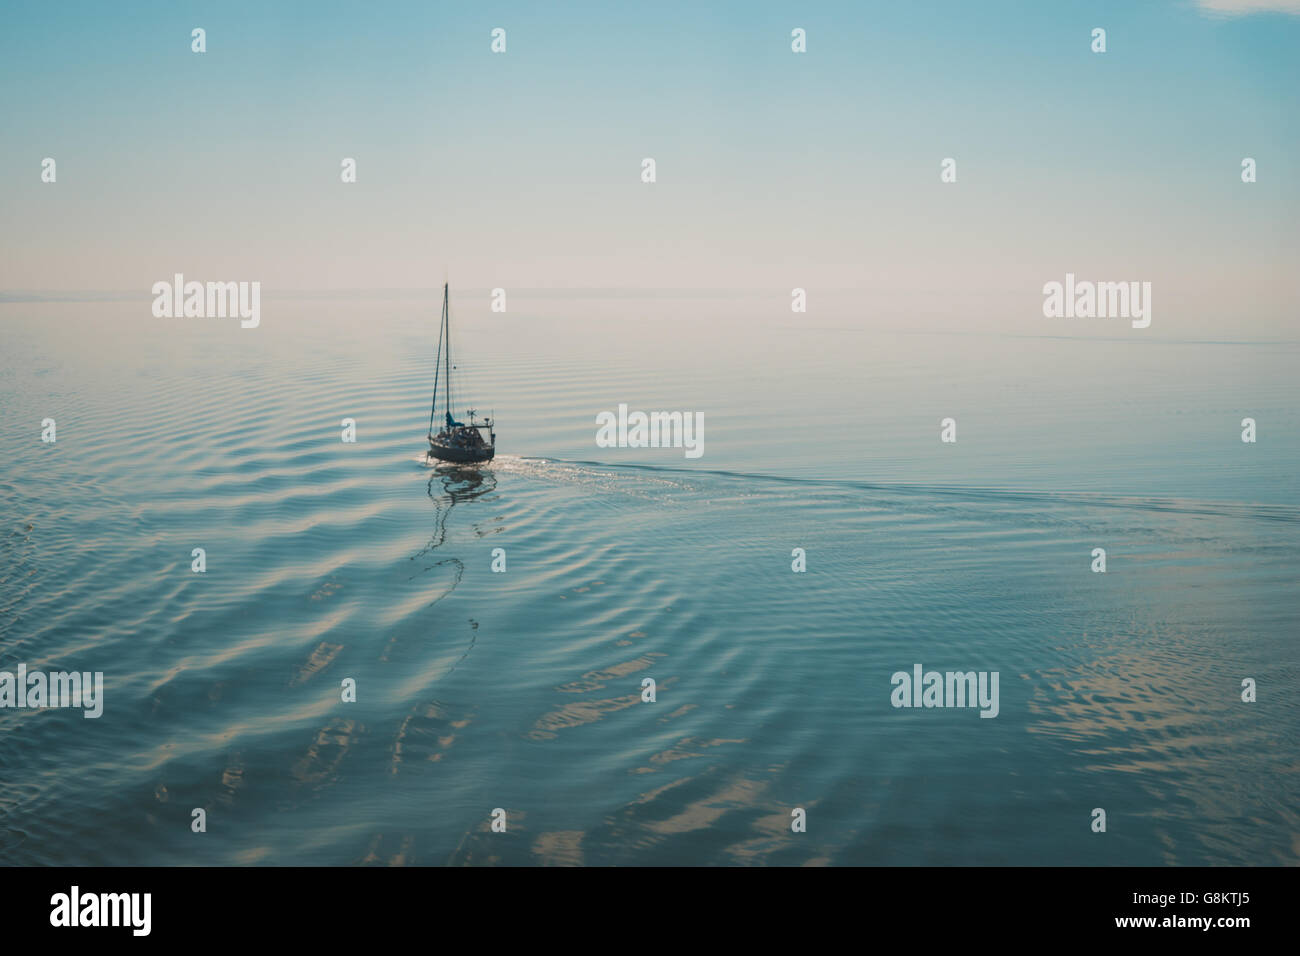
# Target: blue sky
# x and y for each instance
(522, 169)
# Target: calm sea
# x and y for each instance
(522, 690)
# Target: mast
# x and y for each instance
(446, 323)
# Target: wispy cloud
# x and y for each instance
(1236, 8)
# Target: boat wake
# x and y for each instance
(610, 476)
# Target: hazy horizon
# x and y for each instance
(774, 170)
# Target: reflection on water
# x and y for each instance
(460, 482)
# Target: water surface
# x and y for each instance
(521, 690)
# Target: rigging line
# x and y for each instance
(434, 407)
(446, 321)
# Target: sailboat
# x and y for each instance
(456, 441)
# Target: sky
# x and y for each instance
(774, 169)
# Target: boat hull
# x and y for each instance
(462, 456)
